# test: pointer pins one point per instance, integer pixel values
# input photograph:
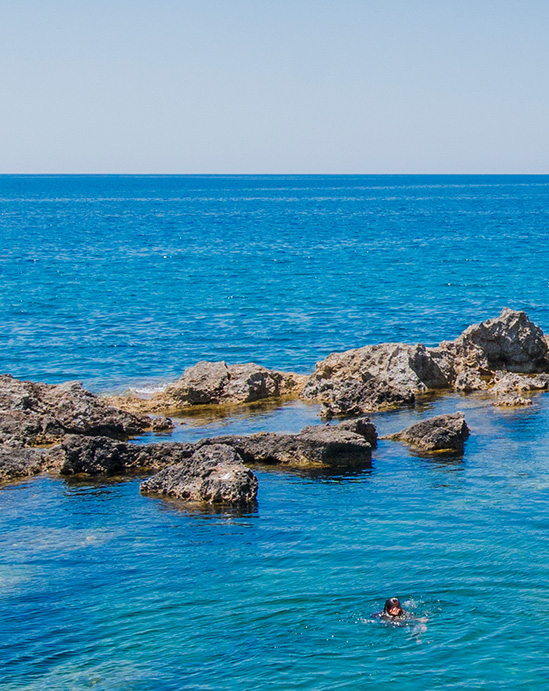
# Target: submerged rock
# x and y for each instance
(214, 474)
(440, 433)
(35, 413)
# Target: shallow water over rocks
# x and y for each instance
(102, 587)
(122, 281)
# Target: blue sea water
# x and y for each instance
(123, 281)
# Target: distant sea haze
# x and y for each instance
(126, 280)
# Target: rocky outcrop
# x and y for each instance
(216, 383)
(349, 443)
(321, 445)
(214, 474)
(83, 455)
(344, 398)
(390, 375)
(362, 426)
(440, 433)
(405, 367)
(33, 413)
(508, 388)
(19, 463)
(470, 380)
(509, 342)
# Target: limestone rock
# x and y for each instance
(314, 445)
(34, 413)
(512, 400)
(509, 342)
(408, 367)
(343, 398)
(510, 382)
(440, 433)
(214, 474)
(18, 463)
(162, 424)
(215, 383)
(470, 380)
(361, 426)
(104, 456)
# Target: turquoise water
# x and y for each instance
(125, 281)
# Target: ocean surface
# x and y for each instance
(124, 281)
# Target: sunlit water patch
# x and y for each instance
(123, 282)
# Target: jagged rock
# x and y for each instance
(440, 433)
(470, 380)
(508, 386)
(104, 456)
(23, 462)
(510, 382)
(510, 342)
(214, 383)
(162, 424)
(315, 445)
(401, 366)
(214, 474)
(362, 426)
(343, 398)
(34, 413)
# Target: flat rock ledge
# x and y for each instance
(214, 474)
(440, 433)
(216, 383)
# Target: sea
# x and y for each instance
(122, 282)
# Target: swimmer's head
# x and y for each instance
(393, 608)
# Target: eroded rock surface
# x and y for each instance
(216, 383)
(440, 433)
(33, 413)
(23, 462)
(509, 342)
(390, 375)
(347, 397)
(315, 445)
(508, 388)
(214, 474)
(104, 456)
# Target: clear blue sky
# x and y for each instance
(274, 86)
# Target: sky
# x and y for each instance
(274, 86)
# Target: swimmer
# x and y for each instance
(393, 609)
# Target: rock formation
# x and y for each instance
(315, 445)
(390, 375)
(440, 433)
(33, 413)
(508, 388)
(214, 474)
(216, 383)
(509, 342)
